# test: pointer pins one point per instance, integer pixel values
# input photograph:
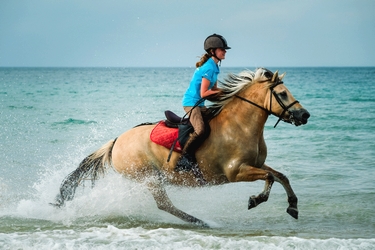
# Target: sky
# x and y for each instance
(170, 33)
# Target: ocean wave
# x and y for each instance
(72, 121)
(111, 237)
(20, 107)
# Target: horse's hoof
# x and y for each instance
(203, 224)
(56, 205)
(252, 202)
(200, 223)
(293, 212)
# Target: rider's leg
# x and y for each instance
(187, 160)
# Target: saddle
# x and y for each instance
(173, 132)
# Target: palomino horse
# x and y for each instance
(234, 151)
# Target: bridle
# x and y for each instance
(269, 112)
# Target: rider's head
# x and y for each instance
(214, 42)
(215, 46)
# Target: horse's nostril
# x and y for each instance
(306, 115)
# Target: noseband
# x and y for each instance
(285, 108)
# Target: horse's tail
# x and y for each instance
(91, 168)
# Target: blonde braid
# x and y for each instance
(203, 60)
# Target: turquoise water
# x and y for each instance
(51, 118)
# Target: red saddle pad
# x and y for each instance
(165, 136)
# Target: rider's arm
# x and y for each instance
(204, 88)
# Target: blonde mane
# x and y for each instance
(233, 84)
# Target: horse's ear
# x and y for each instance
(282, 76)
(275, 76)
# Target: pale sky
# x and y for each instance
(170, 33)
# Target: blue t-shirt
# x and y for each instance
(210, 71)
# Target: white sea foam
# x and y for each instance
(111, 237)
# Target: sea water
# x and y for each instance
(51, 118)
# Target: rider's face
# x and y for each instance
(220, 53)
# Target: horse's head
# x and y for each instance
(279, 100)
(264, 90)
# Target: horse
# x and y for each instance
(234, 151)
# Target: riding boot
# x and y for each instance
(187, 160)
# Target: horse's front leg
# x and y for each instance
(292, 198)
(248, 173)
(163, 202)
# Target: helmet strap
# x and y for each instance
(214, 55)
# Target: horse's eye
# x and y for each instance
(283, 94)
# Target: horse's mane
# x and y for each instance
(234, 83)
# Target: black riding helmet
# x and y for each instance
(215, 41)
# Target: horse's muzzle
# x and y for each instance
(299, 117)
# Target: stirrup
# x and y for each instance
(198, 175)
(188, 163)
(185, 163)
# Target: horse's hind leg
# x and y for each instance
(164, 203)
(284, 181)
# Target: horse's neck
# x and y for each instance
(242, 118)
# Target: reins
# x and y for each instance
(269, 112)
